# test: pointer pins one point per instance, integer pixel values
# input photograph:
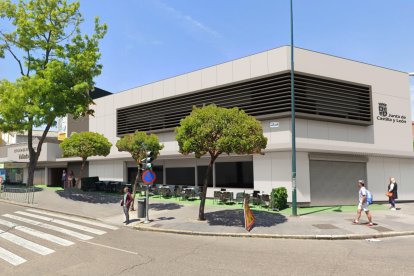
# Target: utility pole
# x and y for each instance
(293, 125)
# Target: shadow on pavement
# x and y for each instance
(236, 218)
(165, 206)
(78, 195)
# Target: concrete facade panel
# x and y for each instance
(259, 65)
(169, 87)
(224, 73)
(194, 80)
(147, 93)
(241, 69)
(158, 90)
(209, 77)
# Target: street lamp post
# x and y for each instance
(293, 126)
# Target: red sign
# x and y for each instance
(249, 218)
(148, 177)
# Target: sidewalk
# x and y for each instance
(178, 217)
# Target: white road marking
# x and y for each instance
(37, 248)
(62, 222)
(36, 233)
(68, 217)
(10, 257)
(50, 227)
(110, 247)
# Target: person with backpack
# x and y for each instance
(392, 193)
(363, 203)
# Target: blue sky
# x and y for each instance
(149, 40)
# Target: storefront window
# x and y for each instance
(180, 176)
(234, 175)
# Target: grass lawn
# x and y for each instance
(43, 186)
(288, 211)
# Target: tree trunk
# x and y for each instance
(207, 179)
(134, 189)
(34, 154)
(78, 183)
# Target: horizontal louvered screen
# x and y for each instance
(316, 98)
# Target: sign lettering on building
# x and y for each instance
(384, 115)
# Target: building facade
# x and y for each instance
(353, 122)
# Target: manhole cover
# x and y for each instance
(325, 226)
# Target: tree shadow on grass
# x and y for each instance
(164, 206)
(78, 195)
(236, 218)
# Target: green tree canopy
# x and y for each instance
(138, 144)
(56, 64)
(84, 145)
(215, 130)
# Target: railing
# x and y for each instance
(20, 194)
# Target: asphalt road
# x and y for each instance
(129, 252)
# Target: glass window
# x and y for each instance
(201, 172)
(180, 176)
(234, 174)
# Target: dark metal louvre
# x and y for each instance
(316, 98)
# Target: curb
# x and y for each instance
(278, 236)
(139, 227)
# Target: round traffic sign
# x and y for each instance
(148, 177)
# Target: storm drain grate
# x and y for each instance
(325, 226)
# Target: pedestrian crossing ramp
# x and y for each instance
(19, 229)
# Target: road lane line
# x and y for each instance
(110, 247)
(64, 223)
(36, 233)
(50, 227)
(37, 248)
(10, 257)
(86, 221)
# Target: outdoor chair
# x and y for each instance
(265, 201)
(255, 198)
(165, 192)
(240, 197)
(188, 194)
(226, 197)
(216, 196)
(178, 190)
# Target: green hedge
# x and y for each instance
(279, 198)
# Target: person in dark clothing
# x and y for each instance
(392, 193)
(126, 203)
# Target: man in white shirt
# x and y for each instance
(362, 204)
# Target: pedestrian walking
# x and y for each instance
(362, 204)
(64, 179)
(392, 193)
(126, 203)
(1, 183)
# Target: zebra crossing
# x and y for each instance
(17, 228)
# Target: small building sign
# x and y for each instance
(274, 124)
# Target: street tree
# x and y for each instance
(84, 145)
(215, 130)
(55, 62)
(138, 144)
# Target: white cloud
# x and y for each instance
(187, 19)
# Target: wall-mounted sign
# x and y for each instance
(274, 124)
(384, 115)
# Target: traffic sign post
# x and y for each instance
(148, 177)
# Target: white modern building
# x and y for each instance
(353, 122)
